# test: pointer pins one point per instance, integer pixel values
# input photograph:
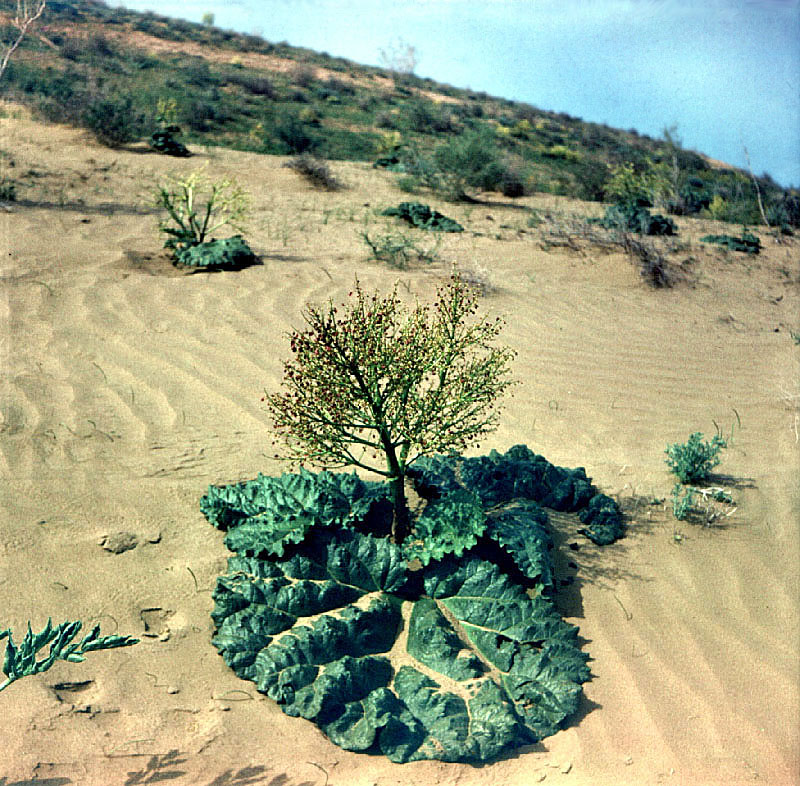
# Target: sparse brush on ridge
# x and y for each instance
(316, 171)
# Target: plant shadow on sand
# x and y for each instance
(167, 767)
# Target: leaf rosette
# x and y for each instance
(428, 650)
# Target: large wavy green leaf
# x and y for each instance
(265, 515)
(453, 660)
(448, 525)
(455, 663)
(520, 474)
(522, 531)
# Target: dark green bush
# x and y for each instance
(633, 216)
(230, 253)
(467, 163)
(422, 217)
(294, 134)
(114, 120)
(692, 461)
(747, 243)
(425, 117)
(8, 190)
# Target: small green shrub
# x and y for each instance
(633, 216)
(197, 207)
(423, 217)
(682, 503)
(8, 190)
(113, 120)
(315, 170)
(747, 243)
(20, 661)
(399, 250)
(467, 163)
(692, 461)
(294, 134)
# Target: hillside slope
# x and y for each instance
(121, 73)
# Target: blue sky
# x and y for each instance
(725, 72)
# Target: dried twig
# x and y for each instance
(23, 21)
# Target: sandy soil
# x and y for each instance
(128, 387)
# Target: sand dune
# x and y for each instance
(128, 387)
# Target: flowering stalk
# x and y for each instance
(375, 385)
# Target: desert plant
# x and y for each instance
(399, 249)
(682, 501)
(315, 170)
(708, 504)
(113, 119)
(747, 243)
(692, 461)
(467, 163)
(423, 217)
(229, 253)
(198, 207)
(434, 649)
(294, 134)
(20, 661)
(8, 189)
(381, 381)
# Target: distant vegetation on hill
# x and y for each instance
(125, 74)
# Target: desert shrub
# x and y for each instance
(591, 177)
(303, 75)
(462, 165)
(512, 182)
(114, 120)
(255, 84)
(425, 117)
(398, 249)
(8, 189)
(747, 243)
(633, 216)
(692, 196)
(20, 660)
(294, 135)
(315, 170)
(692, 461)
(199, 74)
(682, 501)
(783, 210)
(386, 120)
(97, 45)
(197, 207)
(703, 504)
(340, 87)
(200, 113)
(70, 47)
